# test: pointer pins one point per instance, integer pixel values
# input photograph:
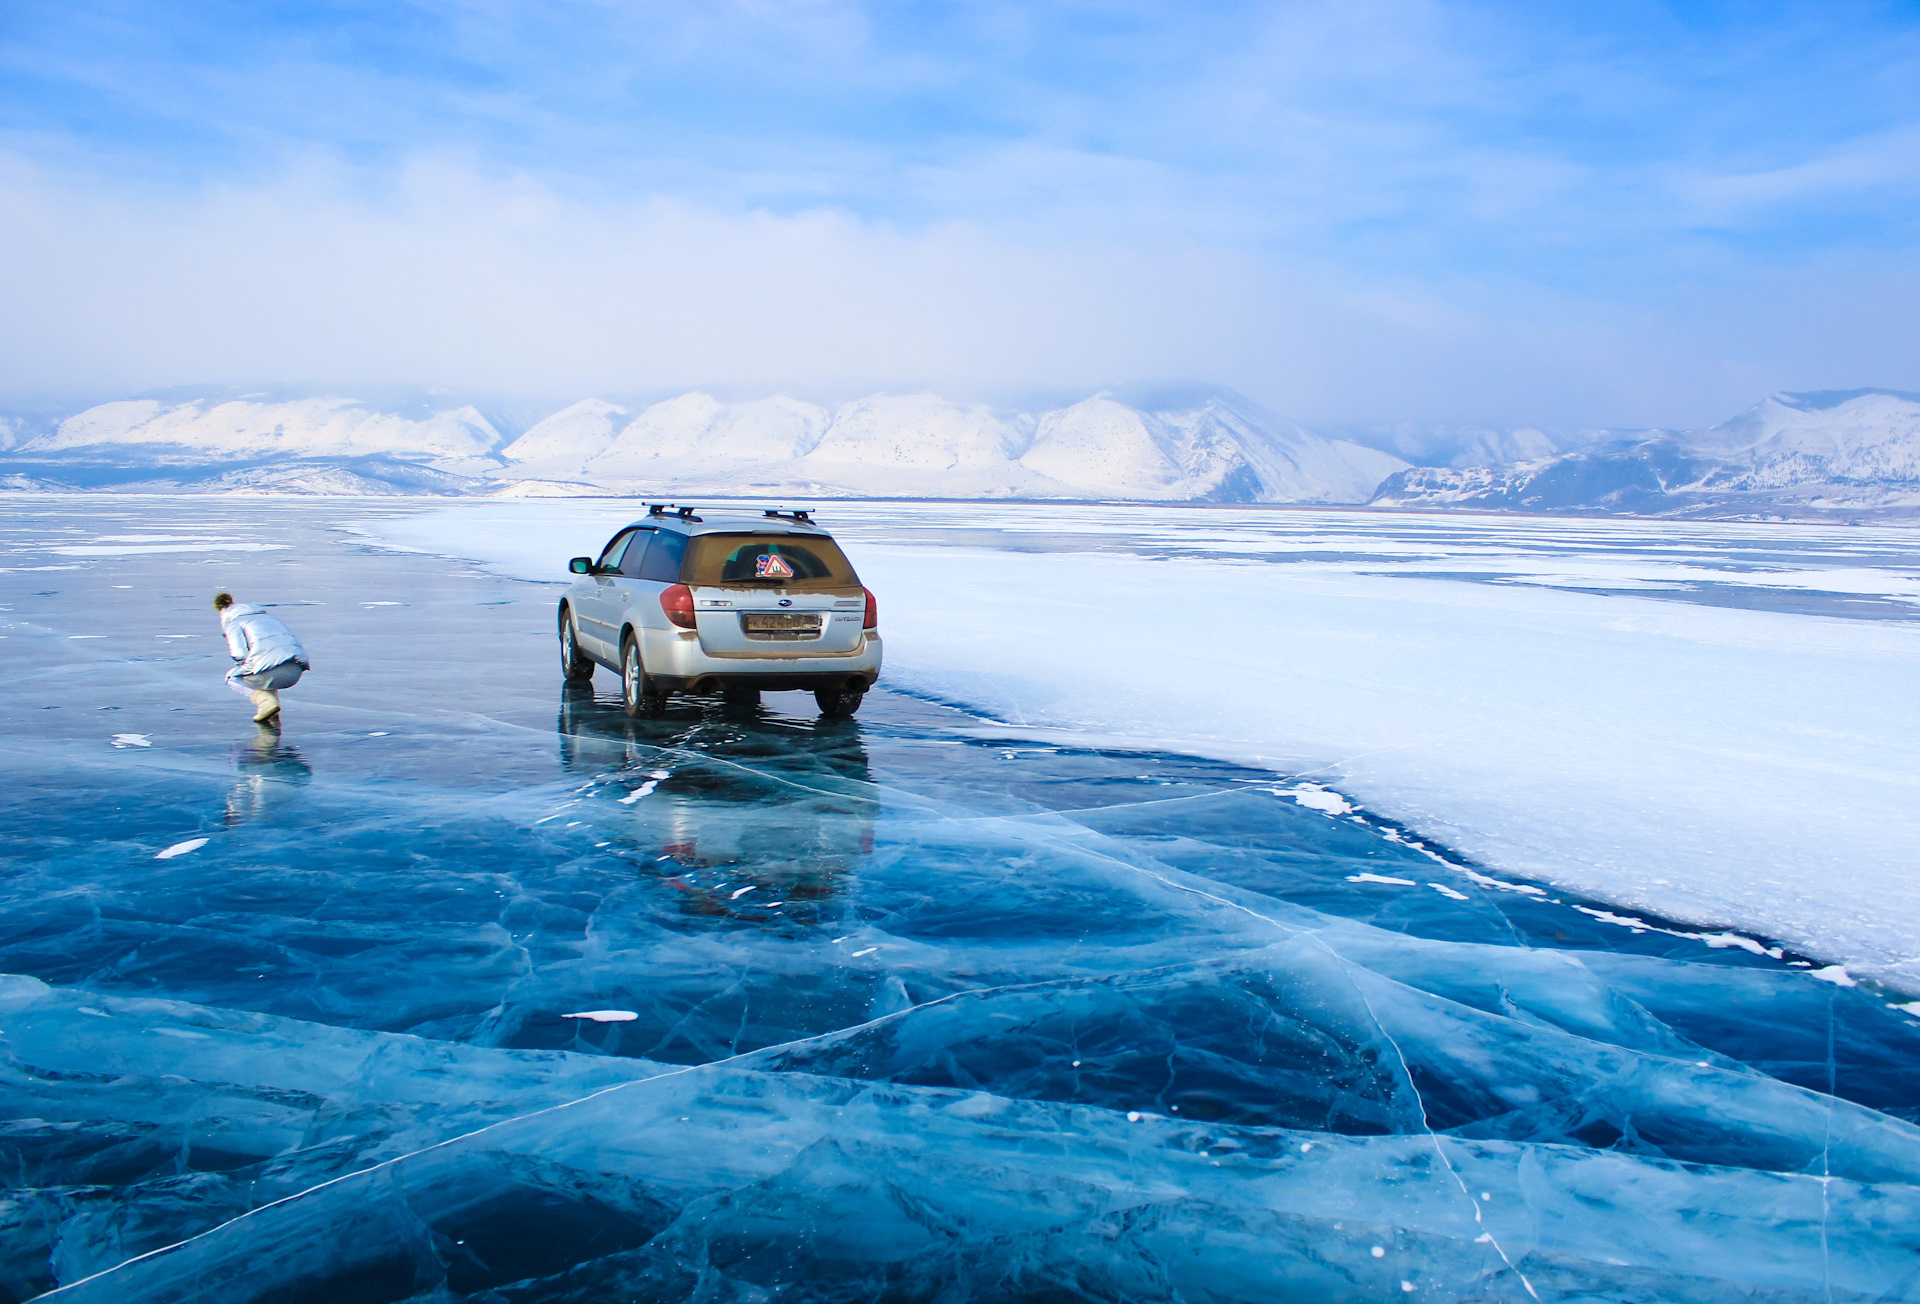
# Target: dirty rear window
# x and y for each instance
(788, 561)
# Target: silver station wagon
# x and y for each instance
(705, 602)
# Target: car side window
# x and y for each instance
(635, 558)
(610, 559)
(663, 557)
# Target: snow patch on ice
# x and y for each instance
(139, 549)
(1381, 878)
(1317, 798)
(603, 1016)
(1718, 941)
(181, 848)
(1608, 917)
(1722, 940)
(1484, 880)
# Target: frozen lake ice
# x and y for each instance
(1713, 721)
(911, 1006)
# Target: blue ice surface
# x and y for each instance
(919, 1014)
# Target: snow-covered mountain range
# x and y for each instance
(921, 445)
(1792, 454)
(1221, 449)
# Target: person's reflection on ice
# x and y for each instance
(269, 769)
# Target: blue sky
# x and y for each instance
(1573, 214)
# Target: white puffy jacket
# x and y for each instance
(259, 641)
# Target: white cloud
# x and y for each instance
(1885, 162)
(450, 277)
(1384, 210)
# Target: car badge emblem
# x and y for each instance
(786, 602)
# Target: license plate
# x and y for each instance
(779, 623)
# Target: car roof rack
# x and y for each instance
(803, 515)
(673, 509)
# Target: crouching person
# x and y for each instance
(270, 657)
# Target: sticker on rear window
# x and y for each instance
(771, 566)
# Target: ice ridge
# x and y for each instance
(723, 1182)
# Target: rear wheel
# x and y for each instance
(575, 664)
(638, 693)
(837, 705)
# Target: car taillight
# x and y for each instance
(873, 610)
(677, 601)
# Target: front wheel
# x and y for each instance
(836, 705)
(638, 693)
(575, 664)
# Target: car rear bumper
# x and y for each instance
(812, 682)
(678, 664)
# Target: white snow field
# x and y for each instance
(1716, 722)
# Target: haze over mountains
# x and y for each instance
(1792, 454)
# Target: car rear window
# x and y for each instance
(790, 561)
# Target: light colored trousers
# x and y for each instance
(273, 678)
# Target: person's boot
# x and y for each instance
(266, 705)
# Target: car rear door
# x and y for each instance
(792, 596)
(776, 623)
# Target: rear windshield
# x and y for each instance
(788, 561)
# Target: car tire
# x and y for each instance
(641, 697)
(837, 705)
(575, 664)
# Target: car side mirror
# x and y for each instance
(581, 565)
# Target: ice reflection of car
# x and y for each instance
(746, 800)
(738, 604)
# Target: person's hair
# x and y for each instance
(221, 601)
